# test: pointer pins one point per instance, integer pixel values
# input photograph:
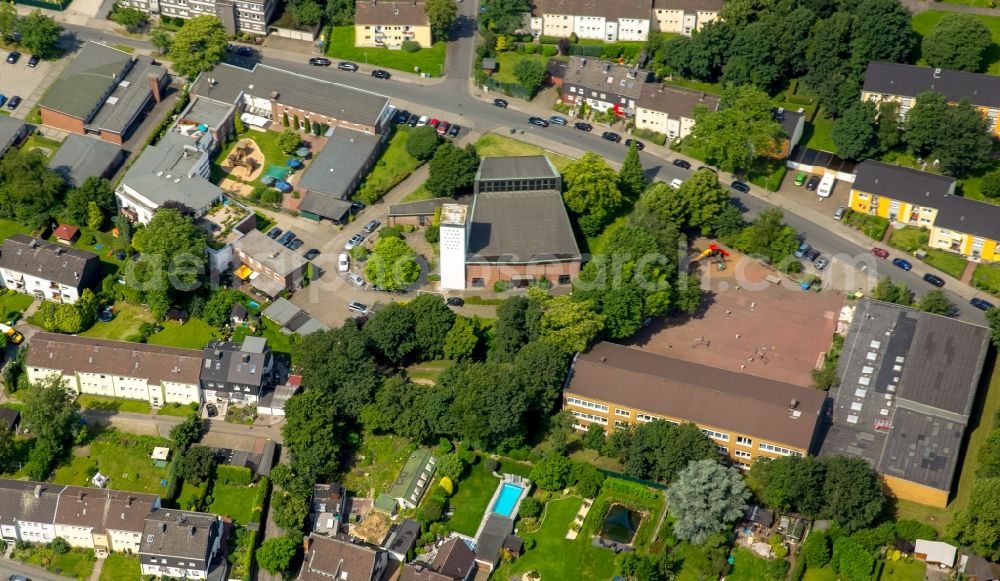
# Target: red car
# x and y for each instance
(434, 123)
(443, 127)
(880, 252)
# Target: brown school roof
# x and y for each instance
(705, 395)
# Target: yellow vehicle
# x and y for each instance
(12, 334)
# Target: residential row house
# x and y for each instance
(625, 20)
(747, 417)
(902, 83)
(604, 85)
(251, 16)
(389, 23)
(669, 110)
(181, 544)
(341, 557)
(909, 197)
(156, 374)
(46, 270)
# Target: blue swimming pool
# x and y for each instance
(507, 500)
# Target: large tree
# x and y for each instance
(452, 169)
(393, 266)
(275, 554)
(51, 412)
(937, 302)
(198, 45)
(433, 321)
(174, 247)
(789, 483)
(591, 191)
(517, 323)
(392, 334)
(965, 143)
(706, 498)
(923, 122)
(978, 525)
(855, 133)
(768, 236)
(883, 31)
(659, 450)
(568, 323)
(631, 179)
(829, 71)
(461, 341)
(422, 142)
(187, 432)
(313, 432)
(29, 190)
(530, 73)
(503, 16)
(751, 58)
(853, 492)
(742, 130)
(40, 34)
(958, 42)
(487, 405)
(540, 369)
(442, 15)
(705, 199)
(8, 20)
(196, 465)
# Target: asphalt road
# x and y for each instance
(8, 568)
(470, 110)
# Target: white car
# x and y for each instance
(424, 120)
(676, 183)
(343, 263)
(826, 186)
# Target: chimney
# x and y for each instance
(793, 404)
(191, 531)
(154, 87)
(38, 491)
(306, 544)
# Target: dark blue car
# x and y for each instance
(982, 304)
(904, 264)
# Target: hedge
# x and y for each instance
(630, 488)
(263, 487)
(649, 135)
(544, 39)
(236, 475)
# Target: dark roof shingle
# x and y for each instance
(390, 12)
(49, 261)
(910, 80)
(521, 227)
(676, 101)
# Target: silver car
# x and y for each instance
(354, 241)
(356, 280)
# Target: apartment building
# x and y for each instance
(902, 83)
(747, 417)
(604, 85)
(183, 544)
(272, 93)
(670, 110)
(390, 22)
(684, 16)
(625, 20)
(907, 383)
(341, 558)
(28, 510)
(103, 520)
(236, 372)
(103, 91)
(139, 371)
(236, 16)
(47, 270)
(910, 197)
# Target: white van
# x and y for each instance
(826, 185)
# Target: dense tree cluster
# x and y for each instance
(198, 45)
(740, 131)
(53, 416)
(452, 170)
(656, 450)
(706, 498)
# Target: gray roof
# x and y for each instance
(179, 533)
(208, 111)
(11, 129)
(49, 261)
(129, 97)
(228, 362)
(307, 93)
(405, 537)
(789, 120)
(521, 227)
(165, 173)
(688, 5)
(516, 167)
(270, 254)
(21, 500)
(969, 216)
(338, 558)
(421, 207)
(332, 176)
(281, 311)
(599, 8)
(491, 538)
(676, 102)
(606, 76)
(910, 81)
(80, 157)
(87, 80)
(291, 318)
(902, 183)
(908, 380)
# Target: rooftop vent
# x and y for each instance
(937, 73)
(793, 404)
(274, 95)
(163, 527)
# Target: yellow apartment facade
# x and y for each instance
(747, 417)
(390, 22)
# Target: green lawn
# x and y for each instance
(472, 494)
(947, 262)
(421, 193)
(428, 371)
(76, 564)
(194, 334)
(494, 145)
(191, 495)
(819, 133)
(278, 342)
(119, 566)
(824, 574)
(47, 146)
(750, 567)
(394, 165)
(508, 466)
(924, 22)
(987, 277)
(12, 304)
(377, 463)
(980, 426)
(506, 62)
(909, 238)
(904, 570)
(8, 228)
(235, 502)
(175, 409)
(125, 324)
(428, 60)
(873, 227)
(90, 239)
(714, 88)
(99, 402)
(128, 467)
(554, 556)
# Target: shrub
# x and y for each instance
(422, 142)
(649, 135)
(410, 46)
(432, 234)
(549, 51)
(490, 465)
(59, 545)
(544, 39)
(531, 507)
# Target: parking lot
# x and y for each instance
(24, 81)
(736, 328)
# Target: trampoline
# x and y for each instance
(277, 172)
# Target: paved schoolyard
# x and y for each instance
(750, 325)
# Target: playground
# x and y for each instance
(753, 320)
(245, 161)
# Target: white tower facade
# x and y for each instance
(454, 238)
